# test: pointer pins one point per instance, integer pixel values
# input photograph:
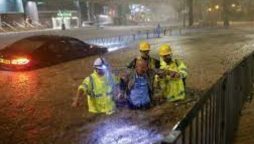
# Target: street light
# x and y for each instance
(233, 5)
(217, 7)
(209, 9)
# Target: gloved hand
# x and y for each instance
(121, 96)
(173, 74)
(160, 73)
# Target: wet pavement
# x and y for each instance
(35, 106)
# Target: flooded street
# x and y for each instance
(35, 106)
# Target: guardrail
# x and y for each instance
(124, 39)
(140, 35)
(215, 117)
(19, 27)
(9, 26)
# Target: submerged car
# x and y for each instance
(45, 50)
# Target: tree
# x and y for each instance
(191, 17)
(77, 3)
(225, 5)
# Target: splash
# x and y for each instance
(121, 131)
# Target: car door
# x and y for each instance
(63, 51)
(55, 51)
(43, 55)
(79, 48)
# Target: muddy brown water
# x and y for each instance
(35, 106)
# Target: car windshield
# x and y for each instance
(26, 45)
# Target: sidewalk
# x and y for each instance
(245, 132)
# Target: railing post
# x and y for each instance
(134, 37)
(158, 34)
(172, 137)
(223, 112)
(165, 32)
(147, 34)
(119, 38)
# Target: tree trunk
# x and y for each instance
(79, 12)
(191, 17)
(88, 11)
(226, 12)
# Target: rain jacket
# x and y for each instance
(100, 91)
(173, 88)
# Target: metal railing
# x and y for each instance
(1, 29)
(19, 27)
(214, 118)
(9, 26)
(125, 39)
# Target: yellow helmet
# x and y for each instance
(165, 49)
(144, 46)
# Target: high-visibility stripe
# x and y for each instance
(110, 93)
(100, 95)
(180, 93)
(85, 86)
(92, 86)
(92, 93)
(183, 69)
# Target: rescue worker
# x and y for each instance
(173, 84)
(158, 30)
(99, 89)
(138, 85)
(144, 48)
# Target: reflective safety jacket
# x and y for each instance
(173, 88)
(99, 91)
(152, 63)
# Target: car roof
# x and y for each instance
(48, 37)
(29, 44)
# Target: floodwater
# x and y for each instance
(35, 106)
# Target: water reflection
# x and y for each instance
(120, 131)
(112, 45)
(24, 113)
(22, 87)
